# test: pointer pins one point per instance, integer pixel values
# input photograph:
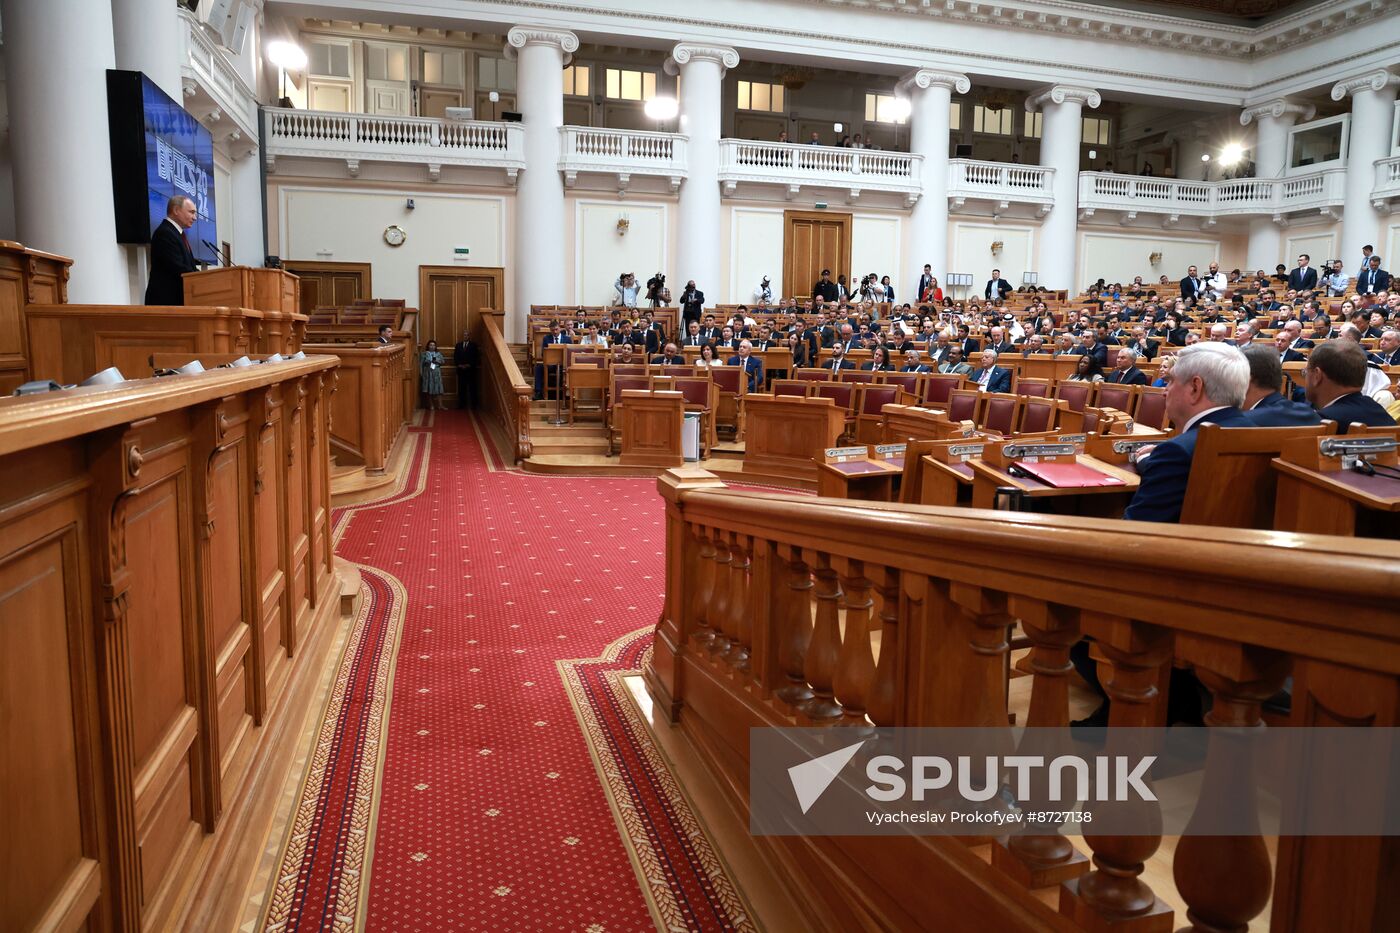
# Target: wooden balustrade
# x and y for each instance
(26, 276)
(507, 393)
(773, 605)
(368, 409)
(167, 589)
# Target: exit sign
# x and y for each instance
(461, 253)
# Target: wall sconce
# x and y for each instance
(623, 223)
(1155, 259)
(996, 247)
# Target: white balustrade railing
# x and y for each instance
(209, 66)
(1000, 181)
(743, 160)
(371, 137)
(622, 154)
(1387, 179)
(1314, 191)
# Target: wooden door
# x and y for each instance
(485, 110)
(330, 284)
(813, 241)
(450, 299)
(434, 101)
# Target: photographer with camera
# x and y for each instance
(692, 301)
(627, 290)
(657, 292)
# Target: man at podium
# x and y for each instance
(171, 254)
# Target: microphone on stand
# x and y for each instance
(218, 260)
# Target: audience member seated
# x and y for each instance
(989, 376)
(753, 366)
(879, 361)
(1086, 370)
(1263, 405)
(912, 363)
(671, 357)
(1333, 380)
(1125, 371)
(953, 362)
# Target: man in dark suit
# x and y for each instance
(752, 365)
(1143, 345)
(555, 335)
(692, 302)
(1208, 384)
(1089, 346)
(1292, 332)
(989, 376)
(1193, 286)
(693, 337)
(1333, 378)
(672, 356)
(825, 288)
(1125, 371)
(171, 255)
(1387, 349)
(1374, 279)
(997, 287)
(912, 363)
(1263, 405)
(464, 357)
(970, 345)
(925, 281)
(838, 359)
(386, 335)
(1303, 278)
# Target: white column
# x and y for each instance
(1274, 119)
(1061, 131)
(146, 36)
(701, 69)
(1372, 105)
(930, 93)
(1192, 142)
(540, 223)
(56, 58)
(246, 193)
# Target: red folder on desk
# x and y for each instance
(1068, 475)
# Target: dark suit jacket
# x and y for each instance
(1301, 279)
(1273, 410)
(465, 353)
(1168, 468)
(833, 364)
(753, 366)
(669, 360)
(1001, 286)
(921, 368)
(1368, 282)
(970, 346)
(1098, 351)
(1002, 347)
(1381, 359)
(1356, 407)
(1191, 289)
(1132, 376)
(1177, 338)
(999, 381)
(170, 259)
(691, 304)
(1148, 348)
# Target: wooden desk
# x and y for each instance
(651, 428)
(1341, 502)
(869, 480)
(787, 435)
(1105, 501)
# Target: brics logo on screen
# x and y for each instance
(184, 173)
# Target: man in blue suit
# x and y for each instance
(1208, 383)
(753, 366)
(1263, 405)
(1335, 373)
(555, 335)
(989, 376)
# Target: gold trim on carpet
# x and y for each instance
(661, 900)
(345, 513)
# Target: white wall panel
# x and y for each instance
(972, 252)
(755, 250)
(1319, 244)
(876, 247)
(1117, 257)
(601, 254)
(347, 225)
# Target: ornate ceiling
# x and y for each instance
(1220, 10)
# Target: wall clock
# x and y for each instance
(394, 235)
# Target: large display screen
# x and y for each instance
(158, 151)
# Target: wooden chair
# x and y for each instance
(587, 383)
(857, 375)
(1151, 407)
(702, 396)
(965, 405)
(911, 480)
(629, 369)
(1001, 412)
(1038, 415)
(732, 383)
(870, 410)
(1076, 394)
(938, 388)
(798, 387)
(812, 375)
(620, 384)
(1115, 395)
(672, 370)
(911, 383)
(1033, 388)
(843, 397)
(1233, 482)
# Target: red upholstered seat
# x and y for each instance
(938, 387)
(798, 387)
(813, 375)
(1152, 407)
(1039, 415)
(1001, 412)
(1113, 395)
(1076, 393)
(857, 375)
(1034, 388)
(963, 405)
(909, 382)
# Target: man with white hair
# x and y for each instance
(1208, 384)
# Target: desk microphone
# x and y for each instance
(218, 259)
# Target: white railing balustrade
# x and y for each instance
(209, 66)
(358, 137)
(793, 165)
(1321, 190)
(1387, 179)
(621, 153)
(1000, 181)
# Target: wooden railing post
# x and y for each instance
(825, 647)
(882, 704)
(704, 584)
(1114, 893)
(1225, 880)
(740, 626)
(855, 667)
(794, 620)
(718, 610)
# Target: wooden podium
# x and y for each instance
(651, 428)
(243, 287)
(787, 435)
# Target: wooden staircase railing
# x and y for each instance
(783, 611)
(506, 393)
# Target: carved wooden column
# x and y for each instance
(1039, 859)
(825, 647)
(718, 610)
(1225, 880)
(976, 622)
(740, 620)
(1114, 895)
(882, 703)
(704, 583)
(794, 612)
(855, 667)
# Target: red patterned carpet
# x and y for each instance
(488, 812)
